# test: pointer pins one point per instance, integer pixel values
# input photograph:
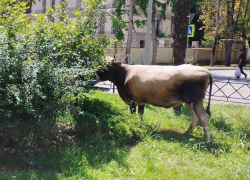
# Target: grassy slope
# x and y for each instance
(166, 153)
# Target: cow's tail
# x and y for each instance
(210, 92)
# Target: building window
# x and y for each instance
(113, 31)
(29, 5)
(79, 4)
(53, 3)
(43, 6)
(101, 26)
(158, 27)
(102, 7)
(113, 4)
(142, 43)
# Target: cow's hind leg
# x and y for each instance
(141, 110)
(202, 116)
(132, 107)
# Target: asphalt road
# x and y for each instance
(228, 88)
(229, 74)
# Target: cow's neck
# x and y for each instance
(118, 76)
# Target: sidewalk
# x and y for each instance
(232, 67)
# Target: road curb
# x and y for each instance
(226, 68)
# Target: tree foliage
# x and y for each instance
(118, 18)
(139, 8)
(41, 62)
(158, 9)
(240, 18)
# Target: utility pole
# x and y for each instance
(147, 55)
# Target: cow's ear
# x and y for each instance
(117, 64)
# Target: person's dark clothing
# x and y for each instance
(242, 64)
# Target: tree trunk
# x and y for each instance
(228, 55)
(130, 28)
(245, 27)
(180, 31)
(213, 57)
(229, 43)
(154, 39)
(180, 36)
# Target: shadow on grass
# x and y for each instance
(101, 136)
(94, 149)
(174, 135)
(90, 153)
(194, 143)
(68, 160)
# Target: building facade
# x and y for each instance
(163, 26)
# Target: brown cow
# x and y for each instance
(163, 86)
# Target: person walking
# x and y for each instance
(242, 62)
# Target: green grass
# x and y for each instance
(163, 153)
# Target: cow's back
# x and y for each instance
(165, 85)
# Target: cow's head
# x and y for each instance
(109, 70)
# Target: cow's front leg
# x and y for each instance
(132, 107)
(193, 122)
(141, 110)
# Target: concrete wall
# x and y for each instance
(38, 7)
(204, 55)
(164, 55)
(166, 26)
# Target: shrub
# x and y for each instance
(208, 42)
(40, 62)
(163, 35)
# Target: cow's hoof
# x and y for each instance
(189, 131)
(207, 137)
